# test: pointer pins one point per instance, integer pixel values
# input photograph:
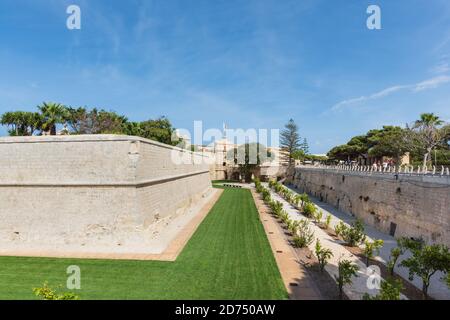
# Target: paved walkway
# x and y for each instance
(437, 290)
(292, 272)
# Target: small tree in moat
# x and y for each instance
(309, 209)
(395, 254)
(346, 270)
(353, 235)
(389, 290)
(304, 236)
(402, 244)
(323, 255)
(370, 248)
(328, 221)
(425, 261)
(318, 216)
(293, 227)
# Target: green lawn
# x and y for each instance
(228, 257)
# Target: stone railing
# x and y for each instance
(440, 171)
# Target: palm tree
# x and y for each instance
(21, 123)
(52, 113)
(429, 132)
(34, 121)
(11, 120)
(429, 119)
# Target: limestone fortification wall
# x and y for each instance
(412, 206)
(92, 192)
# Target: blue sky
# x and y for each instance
(249, 63)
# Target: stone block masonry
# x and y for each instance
(400, 205)
(92, 193)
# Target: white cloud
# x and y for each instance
(431, 83)
(443, 67)
(421, 86)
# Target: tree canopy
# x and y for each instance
(424, 135)
(22, 123)
(83, 120)
(290, 139)
(428, 133)
(248, 156)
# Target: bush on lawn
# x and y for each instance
(47, 293)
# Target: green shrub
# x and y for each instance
(370, 248)
(287, 195)
(277, 208)
(47, 293)
(305, 235)
(297, 199)
(353, 235)
(309, 209)
(257, 184)
(346, 270)
(328, 221)
(339, 228)
(323, 255)
(284, 216)
(389, 290)
(402, 245)
(395, 254)
(318, 216)
(304, 199)
(266, 196)
(425, 261)
(278, 187)
(293, 227)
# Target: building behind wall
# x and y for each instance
(224, 167)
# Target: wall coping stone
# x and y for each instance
(89, 138)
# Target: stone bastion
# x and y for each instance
(93, 193)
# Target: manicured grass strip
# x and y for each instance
(228, 257)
